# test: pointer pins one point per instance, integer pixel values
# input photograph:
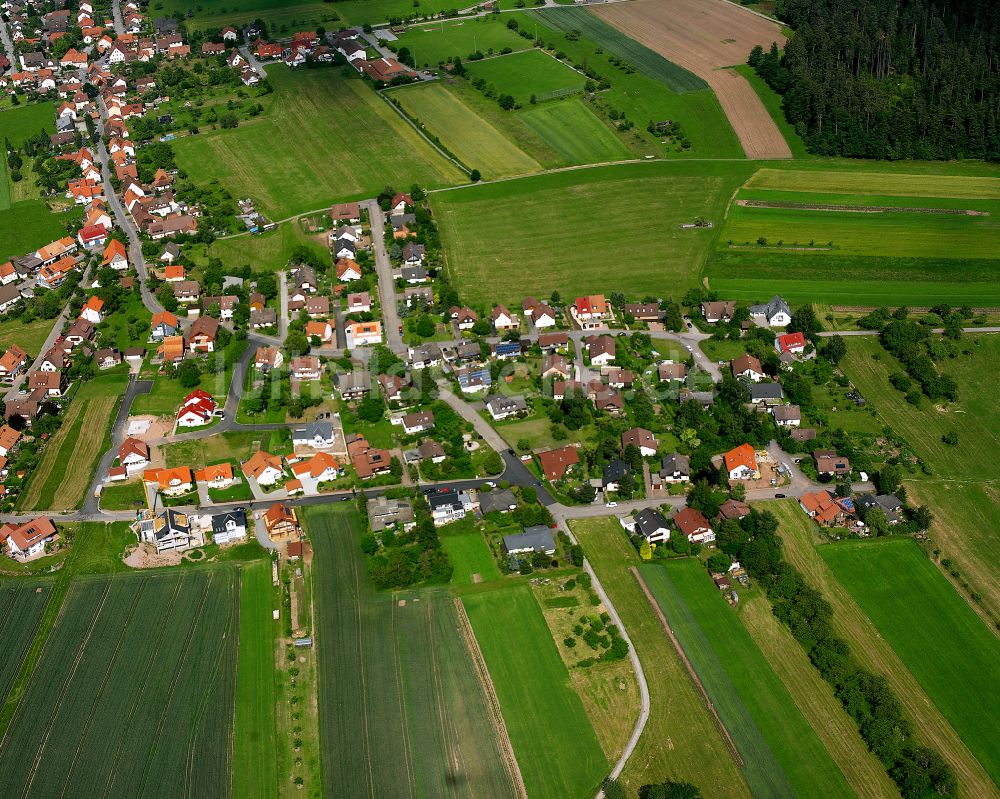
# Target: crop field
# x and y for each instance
(375, 12)
(432, 44)
(79, 443)
(525, 74)
(27, 225)
(556, 747)
(860, 181)
(474, 141)
(282, 18)
(402, 709)
(701, 37)
(772, 102)
(944, 644)
(21, 605)
(120, 707)
(255, 767)
(875, 652)
(648, 62)
(573, 131)
(783, 755)
(680, 740)
(507, 240)
(326, 159)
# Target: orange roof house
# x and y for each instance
(741, 462)
(556, 462)
(221, 473)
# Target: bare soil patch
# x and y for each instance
(704, 37)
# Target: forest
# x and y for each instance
(890, 79)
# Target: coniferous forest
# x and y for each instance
(890, 79)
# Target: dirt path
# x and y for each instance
(704, 37)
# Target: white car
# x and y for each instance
(491, 484)
(611, 504)
(689, 348)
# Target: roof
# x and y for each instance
(786, 413)
(257, 463)
(691, 521)
(771, 308)
(733, 509)
(675, 462)
(788, 341)
(760, 391)
(537, 537)
(649, 521)
(593, 304)
(640, 437)
(743, 455)
(277, 514)
(555, 462)
(221, 471)
(747, 363)
(165, 478)
(133, 446)
(220, 520)
(29, 533)
(616, 470)
(500, 499)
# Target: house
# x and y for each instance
(652, 525)
(92, 236)
(601, 349)
(413, 254)
(400, 202)
(392, 387)
(675, 468)
(430, 450)
(347, 270)
(263, 467)
(187, 291)
(171, 482)
(643, 311)
(267, 317)
(202, 335)
(804, 434)
(115, 256)
(618, 378)
(503, 319)
(359, 303)
(305, 367)
(825, 508)
(8, 439)
(713, 312)
(609, 400)
(321, 330)
(499, 500)
(474, 380)
(567, 388)
(505, 350)
(774, 313)
(171, 350)
(890, 504)
(27, 541)
(226, 304)
(79, 332)
(418, 296)
(668, 370)
(358, 334)
(694, 525)
(174, 273)
(504, 407)
(8, 274)
(448, 505)
(590, 312)
(354, 385)
(766, 394)
(555, 365)
(318, 435)
(748, 367)
(534, 539)
(741, 463)
(107, 358)
(27, 408)
(133, 455)
(467, 353)
(197, 409)
(787, 415)
(93, 311)
(417, 422)
(367, 460)
(52, 384)
(614, 473)
(229, 527)
(464, 317)
(321, 468)
(317, 307)
(540, 314)
(346, 212)
(792, 343)
(383, 513)
(281, 523)
(733, 509)
(12, 362)
(641, 438)
(164, 324)
(556, 462)
(550, 342)
(829, 463)
(171, 252)
(268, 358)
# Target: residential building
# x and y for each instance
(417, 422)
(170, 482)
(830, 464)
(264, 467)
(499, 500)
(793, 343)
(281, 523)
(741, 463)
(27, 541)
(534, 539)
(675, 468)
(748, 367)
(652, 525)
(133, 455)
(693, 524)
(556, 462)
(219, 476)
(229, 527)
(359, 334)
(766, 394)
(354, 385)
(774, 313)
(787, 415)
(713, 312)
(641, 438)
(383, 513)
(318, 435)
(501, 407)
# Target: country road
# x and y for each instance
(386, 285)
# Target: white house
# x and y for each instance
(26, 541)
(133, 455)
(229, 527)
(774, 313)
(652, 526)
(749, 368)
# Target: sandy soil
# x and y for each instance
(704, 36)
(145, 556)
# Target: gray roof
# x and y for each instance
(675, 462)
(650, 520)
(354, 381)
(414, 273)
(507, 404)
(759, 391)
(615, 471)
(317, 429)
(500, 499)
(784, 413)
(219, 520)
(771, 307)
(446, 499)
(537, 537)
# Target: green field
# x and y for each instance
(124, 496)
(282, 18)
(473, 140)
(17, 124)
(27, 225)
(469, 554)
(325, 159)
(28, 337)
(859, 178)
(527, 74)
(565, 231)
(402, 711)
(255, 767)
(573, 131)
(22, 605)
(944, 644)
(134, 691)
(268, 252)
(167, 393)
(772, 102)
(433, 44)
(555, 745)
(783, 755)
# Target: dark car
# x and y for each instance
(779, 496)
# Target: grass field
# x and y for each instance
(507, 240)
(525, 74)
(860, 181)
(120, 707)
(63, 475)
(680, 740)
(475, 142)
(28, 225)
(783, 755)
(469, 554)
(22, 605)
(255, 767)
(325, 160)
(874, 652)
(267, 252)
(125, 496)
(283, 19)
(542, 712)
(17, 124)
(167, 393)
(402, 711)
(772, 102)
(573, 131)
(231, 446)
(944, 644)
(432, 44)
(28, 337)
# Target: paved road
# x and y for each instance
(116, 9)
(8, 46)
(252, 60)
(54, 333)
(386, 285)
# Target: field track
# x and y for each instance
(704, 36)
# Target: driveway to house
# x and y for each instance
(261, 532)
(386, 285)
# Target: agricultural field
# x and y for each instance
(680, 740)
(66, 468)
(570, 128)
(27, 225)
(326, 160)
(530, 236)
(772, 102)
(282, 18)
(800, 545)
(431, 45)
(17, 124)
(944, 644)
(22, 605)
(28, 336)
(527, 74)
(782, 753)
(471, 139)
(119, 707)
(232, 446)
(402, 708)
(553, 739)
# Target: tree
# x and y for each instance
(296, 343)
(877, 521)
(493, 464)
(950, 438)
(888, 478)
(165, 294)
(188, 374)
(834, 349)
(703, 498)
(921, 517)
(669, 790)
(475, 176)
(718, 562)
(645, 550)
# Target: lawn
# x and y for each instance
(66, 468)
(231, 446)
(28, 336)
(680, 741)
(118, 706)
(724, 350)
(124, 496)
(468, 552)
(17, 124)
(325, 160)
(433, 44)
(874, 651)
(255, 767)
(570, 128)
(402, 710)
(167, 393)
(783, 755)
(236, 493)
(28, 225)
(22, 605)
(507, 240)
(268, 252)
(471, 139)
(528, 74)
(944, 644)
(556, 747)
